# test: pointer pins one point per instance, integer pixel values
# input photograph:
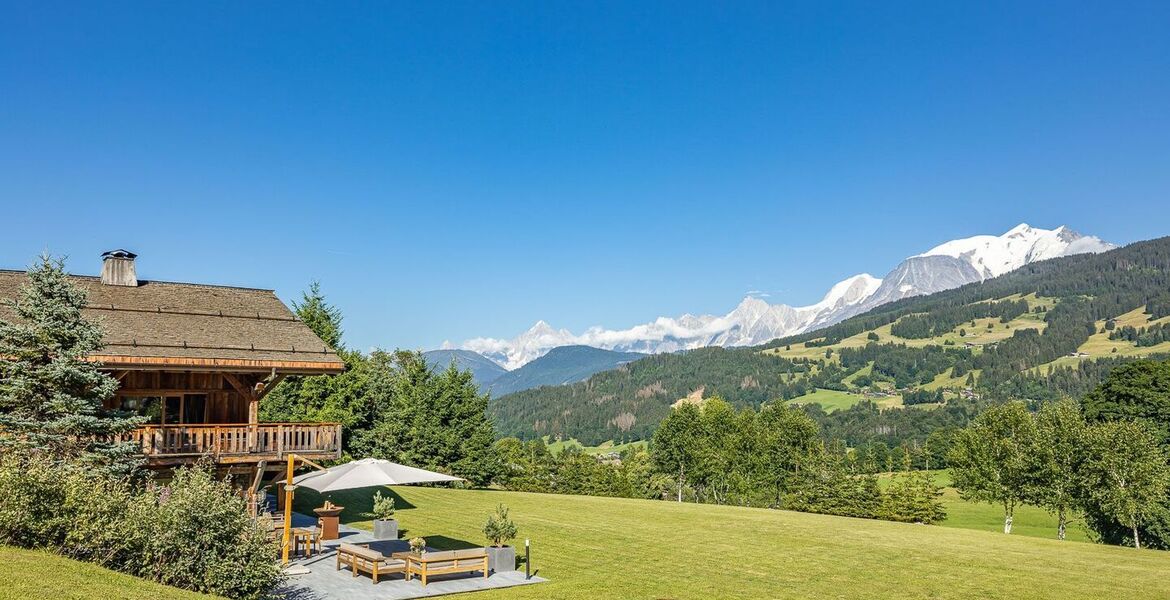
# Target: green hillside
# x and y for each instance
(591, 547)
(1050, 329)
(566, 364)
(602, 448)
(31, 575)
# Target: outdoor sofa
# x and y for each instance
(451, 561)
(362, 558)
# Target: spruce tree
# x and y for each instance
(323, 318)
(51, 395)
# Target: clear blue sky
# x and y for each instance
(450, 170)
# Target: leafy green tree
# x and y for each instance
(990, 459)
(1139, 390)
(786, 436)
(677, 446)
(937, 446)
(51, 395)
(1127, 473)
(715, 471)
(1057, 458)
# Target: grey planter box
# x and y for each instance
(502, 558)
(386, 530)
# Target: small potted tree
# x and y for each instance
(500, 530)
(385, 527)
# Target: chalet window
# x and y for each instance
(173, 414)
(195, 408)
(143, 406)
(186, 409)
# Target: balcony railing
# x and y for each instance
(237, 442)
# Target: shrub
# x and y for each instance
(913, 498)
(192, 533)
(499, 529)
(383, 509)
(202, 538)
(30, 515)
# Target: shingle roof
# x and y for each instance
(185, 325)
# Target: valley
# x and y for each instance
(1037, 332)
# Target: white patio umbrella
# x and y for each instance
(367, 472)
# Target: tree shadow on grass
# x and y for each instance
(358, 503)
(442, 542)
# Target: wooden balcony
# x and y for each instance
(236, 443)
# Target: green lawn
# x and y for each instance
(1028, 520)
(556, 447)
(618, 548)
(26, 574)
(830, 400)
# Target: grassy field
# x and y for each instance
(1028, 520)
(978, 334)
(832, 400)
(617, 548)
(26, 574)
(1099, 343)
(604, 448)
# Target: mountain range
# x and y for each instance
(755, 321)
(1039, 332)
(559, 366)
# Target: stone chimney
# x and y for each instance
(118, 268)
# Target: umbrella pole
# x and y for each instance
(288, 502)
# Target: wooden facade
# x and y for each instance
(214, 414)
(196, 360)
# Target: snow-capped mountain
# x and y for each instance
(754, 321)
(993, 255)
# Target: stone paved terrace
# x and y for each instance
(325, 582)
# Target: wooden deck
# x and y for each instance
(236, 443)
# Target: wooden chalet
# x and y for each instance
(197, 361)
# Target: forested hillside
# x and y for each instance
(1049, 329)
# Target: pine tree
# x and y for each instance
(323, 318)
(51, 395)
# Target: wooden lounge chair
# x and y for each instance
(362, 558)
(452, 561)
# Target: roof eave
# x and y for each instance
(237, 365)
